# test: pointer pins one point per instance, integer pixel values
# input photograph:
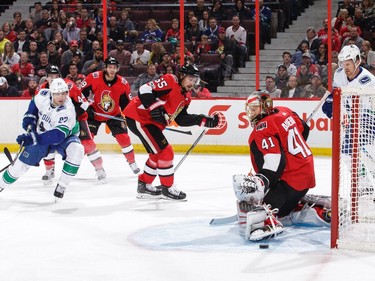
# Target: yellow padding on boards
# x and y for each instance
(182, 148)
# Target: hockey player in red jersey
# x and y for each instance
(80, 104)
(283, 165)
(109, 94)
(158, 104)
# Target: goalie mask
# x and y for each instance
(258, 105)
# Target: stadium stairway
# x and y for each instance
(243, 83)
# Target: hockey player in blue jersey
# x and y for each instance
(51, 118)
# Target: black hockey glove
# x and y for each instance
(158, 115)
(210, 121)
(29, 120)
(90, 112)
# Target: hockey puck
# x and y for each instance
(264, 246)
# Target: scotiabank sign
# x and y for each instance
(234, 127)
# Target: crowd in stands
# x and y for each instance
(69, 35)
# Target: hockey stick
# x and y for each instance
(8, 155)
(122, 119)
(226, 220)
(323, 99)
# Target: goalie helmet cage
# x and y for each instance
(353, 169)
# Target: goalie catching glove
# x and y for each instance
(250, 188)
(210, 121)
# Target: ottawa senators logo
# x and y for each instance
(106, 103)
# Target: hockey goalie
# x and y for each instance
(276, 194)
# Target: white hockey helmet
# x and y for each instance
(58, 86)
(259, 98)
(350, 52)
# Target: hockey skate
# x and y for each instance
(147, 191)
(59, 191)
(172, 193)
(101, 175)
(134, 167)
(48, 176)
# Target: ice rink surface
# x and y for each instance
(103, 233)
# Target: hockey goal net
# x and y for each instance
(353, 169)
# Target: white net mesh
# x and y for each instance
(357, 169)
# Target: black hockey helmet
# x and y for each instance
(52, 69)
(111, 60)
(189, 69)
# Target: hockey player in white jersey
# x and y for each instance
(56, 129)
(349, 74)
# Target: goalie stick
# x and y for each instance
(225, 220)
(123, 120)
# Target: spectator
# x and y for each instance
(292, 70)
(313, 40)
(54, 57)
(204, 22)
(306, 60)
(282, 77)
(36, 14)
(3, 41)
(125, 23)
(6, 90)
(115, 31)
(73, 72)
(8, 32)
(95, 64)
(335, 57)
(140, 55)
(239, 34)
(71, 31)
(50, 31)
(218, 11)
(368, 8)
(18, 22)
(90, 54)
(33, 53)
(199, 91)
(227, 49)
(315, 89)
(39, 38)
(188, 56)
(203, 47)
(265, 21)
(122, 56)
(40, 69)
(157, 52)
(21, 44)
(171, 69)
(302, 48)
(193, 33)
(92, 31)
(83, 22)
(173, 34)
(60, 43)
(29, 28)
(345, 30)
(212, 31)
(339, 21)
(143, 78)
(199, 9)
(241, 10)
(303, 76)
(346, 5)
(322, 55)
(11, 77)
(84, 44)
(359, 19)
(99, 18)
(271, 87)
(353, 35)
(368, 53)
(54, 8)
(10, 57)
(152, 33)
(190, 14)
(31, 89)
(77, 60)
(42, 24)
(67, 56)
(291, 90)
(165, 63)
(323, 36)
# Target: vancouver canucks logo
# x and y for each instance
(106, 103)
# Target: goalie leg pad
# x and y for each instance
(312, 216)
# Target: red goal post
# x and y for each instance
(353, 169)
